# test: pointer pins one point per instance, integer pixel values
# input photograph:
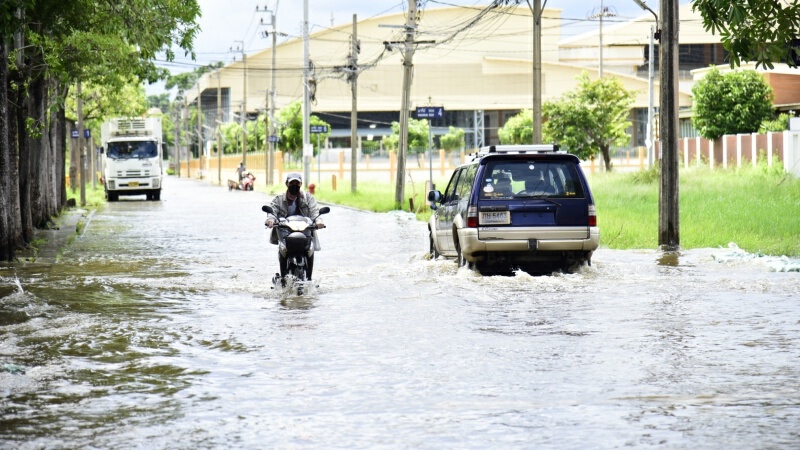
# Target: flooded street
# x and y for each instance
(158, 328)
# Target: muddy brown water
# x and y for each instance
(158, 328)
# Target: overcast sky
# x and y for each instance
(226, 23)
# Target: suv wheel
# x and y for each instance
(461, 260)
(432, 250)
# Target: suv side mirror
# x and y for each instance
(434, 197)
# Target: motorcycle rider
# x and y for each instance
(240, 171)
(290, 203)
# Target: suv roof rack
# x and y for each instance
(516, 149)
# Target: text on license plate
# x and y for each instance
(133, 184)
(495, 218)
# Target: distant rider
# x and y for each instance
(240, 171)
(293, 202)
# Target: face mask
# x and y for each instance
(294, 189)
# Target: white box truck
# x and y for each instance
(132, 157)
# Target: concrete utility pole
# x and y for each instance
(200, 148)
(604, 12)
(270, 174)
(408, 67)
(668, 204)
(537, 72)
(654, 35)
(354, 144)
(242, 119)
(270, 111)
(217, 123)
(306, 99)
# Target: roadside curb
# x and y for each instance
(56, 238)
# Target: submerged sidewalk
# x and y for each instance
(54, 239)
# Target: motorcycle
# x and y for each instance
(245, 185)
(297, 241)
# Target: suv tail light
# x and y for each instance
(472, 217)
(592, 216)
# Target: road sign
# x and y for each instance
(273, 138)
(75, 133)
(430, 112)
(319, 128)
(87, 134)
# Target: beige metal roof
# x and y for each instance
(488, 66)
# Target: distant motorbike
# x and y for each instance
(245, 185)
(297, 241)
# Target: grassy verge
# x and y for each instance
(94, 197)
(758, 208)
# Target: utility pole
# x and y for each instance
(242, 119)
(217, 122)
(270, 124)
(354, 144)
(537, 72)
(603, 12)
(306, 99)
(654, 35)
(668, 205)
(408, 67)
(200, 148)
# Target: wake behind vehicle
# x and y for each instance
(131, 157)
(512, 207)
(297, 241)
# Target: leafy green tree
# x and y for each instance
(53, 47)
(453, 140)
(730, 103)
(765, 31)
(518, 129)
(590, 119)
(290, 126)
(781, 123)
(160, 101)
(417, 136)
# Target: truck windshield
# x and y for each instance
(132, 149)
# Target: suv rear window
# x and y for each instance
(520, 178)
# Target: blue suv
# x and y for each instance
(512, 207)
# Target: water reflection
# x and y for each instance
(669, 258)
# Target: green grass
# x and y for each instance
(758, 208)
(94, 197)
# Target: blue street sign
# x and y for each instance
(75, 133)
(87, 134)
(319, 128)
(273, 138)
(430, 112)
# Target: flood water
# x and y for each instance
(158, 328)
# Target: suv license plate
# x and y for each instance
(495, 218)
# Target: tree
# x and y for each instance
(518, 129)
(417, 135)
(104, 43)
(765, 31)
(781, 123)
(590, 119)
(453, 140)
(290, 126)
(730, 103)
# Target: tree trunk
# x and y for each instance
(604, 149)
(61, 154)
(14, 113)
(7, 246)
(24, 188)
(39, 151)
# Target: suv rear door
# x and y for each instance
(548, 199)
